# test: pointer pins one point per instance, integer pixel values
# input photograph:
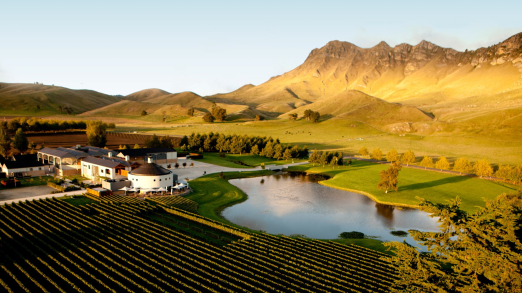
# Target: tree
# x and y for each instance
(462, 165)
(144, 113)
(20, 141)
(255, 150)
(427, 162)
(190, 112)
(408, 158)
(442, 164)
(136, 146)
(390, 178)
(219, 113)
(334, 162)
(184, 140)
(363, 152)
(97, 133)
(392, 156)
(315, 117)
(259, 118)
(278, 152)
(516, 174)
(292, 117)
(323, 159)
(308, 114)
(152, 142)
(5, 143)
(376, 154)
(32, 145)
(176, 165)
(483, 168)
(314, 157)
(479, 252)
(184, 164)
(166, 142)
(208, 118)
(287, 154)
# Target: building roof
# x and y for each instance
(95, 151)
(117, 159)
(56, 153)
(150, 169)
(28, 157)
(75, 153)
(101, 162)
(22, 164)
(145, 151)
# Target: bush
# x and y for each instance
(351, 235)
(399, 233)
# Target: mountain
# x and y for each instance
(441, 81)
(23, 98)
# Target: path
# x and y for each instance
(199, 168)
(76, 192)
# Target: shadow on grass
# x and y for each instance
(449, 180)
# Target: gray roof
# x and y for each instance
(56, 153)
(75, 153)
(102, 162)
(116, 159)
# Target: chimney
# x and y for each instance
(150, 160)
(127, 158)
(78, 146)
(110, 155)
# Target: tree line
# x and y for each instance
(239, 144)
(481, 168)
(326, 158)
(40, 125)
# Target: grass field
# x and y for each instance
(35, 181)
(436, 187)
(248, 160)
(350, 136)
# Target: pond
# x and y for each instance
(291, 203)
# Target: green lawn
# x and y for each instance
(247, 159)
(34, 181)
(433, 186)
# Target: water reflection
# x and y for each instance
(296, 204)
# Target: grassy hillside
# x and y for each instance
(24, 99)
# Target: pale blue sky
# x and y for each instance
(119, 47)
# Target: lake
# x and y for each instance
(292, 203)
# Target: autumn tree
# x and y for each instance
(442, 163)
(259, 118)
(462, 165)
(363, 151)
(314, 157)
(482, 168)
(515, 174)
(390, 178)
(136, 146)
(427, 162)
(190, 112)
(376, 154)
(479, 252)
(255, 150)
(208, 118)
(287, 154)
(219, 113)
(97, 133)
(408, 158)
(323, 159)
(392, 156)
(5, 142)
(20, 141)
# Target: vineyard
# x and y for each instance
(52, 246)
(176, 201)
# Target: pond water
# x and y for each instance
(296, 204)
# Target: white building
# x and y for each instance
(23, 168)
(95, 168)
(150, 175)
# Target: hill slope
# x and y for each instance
(436, 79)
(22, 98)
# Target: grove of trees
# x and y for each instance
(310, 115)
(97, 133)
(240, 144)
(41, 125)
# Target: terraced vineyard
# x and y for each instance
(52, 246)
(116, 198)
(177, 202)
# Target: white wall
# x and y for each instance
(151, 181)
(91, 173)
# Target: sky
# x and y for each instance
(208, 47)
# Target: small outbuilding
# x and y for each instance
(23, 168)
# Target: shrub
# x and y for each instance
(351, 235)
(399, 233)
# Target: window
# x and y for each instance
(154, 180)
(40, 168)
(30, 169)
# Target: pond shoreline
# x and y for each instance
(367, 194)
